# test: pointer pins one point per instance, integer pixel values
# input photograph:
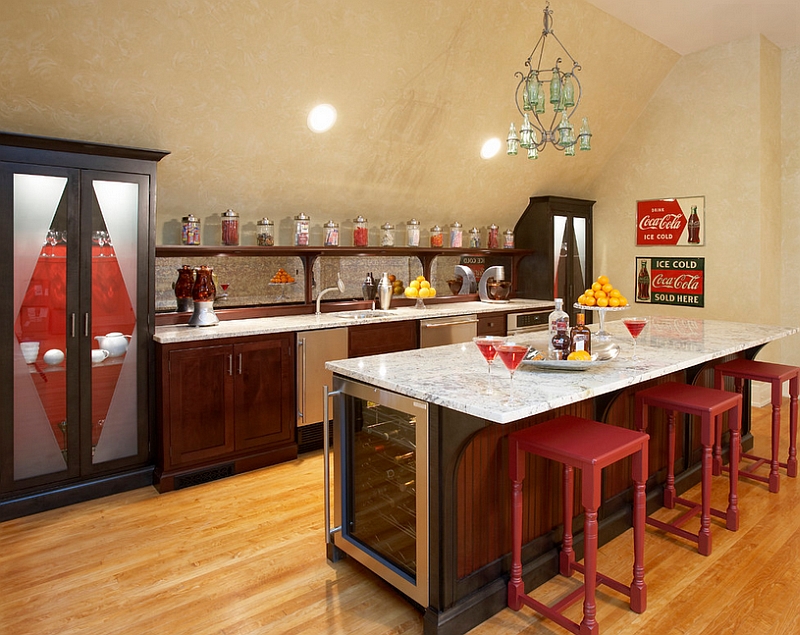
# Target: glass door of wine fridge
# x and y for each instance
(381, 484)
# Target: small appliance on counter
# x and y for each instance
(369, 288)
(463, 282)
(493, 286)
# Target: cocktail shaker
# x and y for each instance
(385, 292)
(369, 287)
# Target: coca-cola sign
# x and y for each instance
(677, 281)
(670, 221)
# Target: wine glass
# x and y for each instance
(635, 326)
(511, 353)
(487, 346)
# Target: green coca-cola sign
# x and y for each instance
(675, 281)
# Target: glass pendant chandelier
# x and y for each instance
(560, 89)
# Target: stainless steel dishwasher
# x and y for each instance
(447, 330)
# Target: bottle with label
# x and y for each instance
(694, 227)
(560, 342)
(557, 319)
(580, 336)
(643, 284)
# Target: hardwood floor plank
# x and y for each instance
(246, 556)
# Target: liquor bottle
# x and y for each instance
(643, 284)
(557, 318)
(560, 342)
(580, 336)
(694, 226)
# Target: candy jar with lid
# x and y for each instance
(437, 237)
(360, 232)
(493, 241)
(301, 226)
(475, 238)
(190, 234)
(387, 235)
(265, 233)
(230, 228)
(508, 239)
(456, 234)
(331, 234)
(412, 233)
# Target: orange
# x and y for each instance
(596, 286)
(623, 301)
(600, 294)
(602, 301)
(582, 299)
(608, 287)
(603, 280)
(590, 301)
(589, 293)
(614, 293)
(612, 301)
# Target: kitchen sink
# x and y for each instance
(361, 315)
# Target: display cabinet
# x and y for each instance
(77, 259)
(559, 231)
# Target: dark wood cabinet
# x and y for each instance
(386, 337)
(226, 406)
(492, 324)
(77, 255)
(559, 231)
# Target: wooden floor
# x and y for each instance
(247, 555)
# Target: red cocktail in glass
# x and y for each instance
(487, 346)
(511, 354)
(635, 326)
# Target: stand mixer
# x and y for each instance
(463, 282)
(493, 286)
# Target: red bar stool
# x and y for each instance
(589, 446)
(708, 404)
(776, 375)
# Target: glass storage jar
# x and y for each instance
(360, 232)
(437, 237)
(412, 233)
(265, 233)
(387, 235)
(331, 234)
(190, 234)
(456, 234)
(301, 226)
(493, 240)
(230, 228)
(475, 238)
(508, 239)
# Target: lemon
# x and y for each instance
(420, 278)
(414, 284)
(432, 292)
(411, 292)
(424, 284)
(424, 292)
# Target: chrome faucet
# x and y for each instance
(339, 287)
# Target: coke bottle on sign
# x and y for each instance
(694, 226)
(643, 284)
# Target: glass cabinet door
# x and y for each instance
(76, 282)
(570, 259)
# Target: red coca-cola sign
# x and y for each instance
(677, 281)
(676, 221)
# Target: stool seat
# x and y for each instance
(589, 446)
(708, 404)
(776, 375)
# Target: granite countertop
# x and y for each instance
(455, 376)
(261, 326)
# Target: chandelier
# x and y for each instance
(564, 98)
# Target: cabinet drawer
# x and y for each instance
(494, 324)
(373, 339)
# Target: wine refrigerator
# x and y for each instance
(380, 484)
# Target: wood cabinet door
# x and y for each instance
(200, 404)
(264, 383)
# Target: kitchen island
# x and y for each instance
(461, 458)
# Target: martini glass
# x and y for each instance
(511, 354)
(635, 326)
(487, 346)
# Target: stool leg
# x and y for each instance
(704, 535)
(591, 501)
(735, 426)
(717, 462)
(567, 555)
(638, 586)
(774, 475)
(516, 470)
(669, 487)
(791, 463)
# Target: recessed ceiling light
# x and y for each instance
(490, 148)
(321, 118)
